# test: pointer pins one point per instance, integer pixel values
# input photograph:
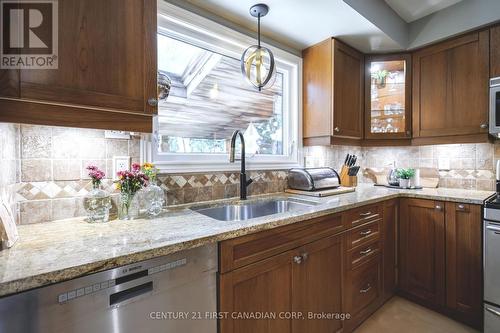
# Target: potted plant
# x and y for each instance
(404, 176)
(380, 77)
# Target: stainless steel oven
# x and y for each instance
(495, 106)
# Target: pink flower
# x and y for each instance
(136, 167)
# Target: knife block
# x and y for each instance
(346, 180)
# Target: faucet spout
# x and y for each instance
(244, 182)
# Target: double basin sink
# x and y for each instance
(246, 211)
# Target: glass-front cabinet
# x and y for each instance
(388, 103)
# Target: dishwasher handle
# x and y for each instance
(120, 297)
(495, 229)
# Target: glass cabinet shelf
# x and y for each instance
(387, 97)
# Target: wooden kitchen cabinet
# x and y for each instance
(388, 97)
(106, 70)
(317, 285)
(333, 94)
(464, 262)
(495, 51)
(422, 251)
(303, 280)
(389, 245)
(450, 90)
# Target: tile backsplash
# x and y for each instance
(472, 166)
(43, 174)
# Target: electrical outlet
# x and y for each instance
(121, 163)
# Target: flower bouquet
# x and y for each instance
(129, 183)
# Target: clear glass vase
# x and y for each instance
(128, 206)
(97, 204)
(153, 198)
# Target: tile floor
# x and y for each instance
(399, 315)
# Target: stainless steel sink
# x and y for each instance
(245, 211)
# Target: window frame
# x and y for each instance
(197, 30)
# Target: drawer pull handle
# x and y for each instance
(495, 312)
(365, 251)
(365, 214)
(297, 259)
(365, 233)
(367, 289)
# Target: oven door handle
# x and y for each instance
(496, 230)
(495, 312)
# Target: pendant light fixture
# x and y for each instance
(257, 62)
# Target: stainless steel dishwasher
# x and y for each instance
(174, 293)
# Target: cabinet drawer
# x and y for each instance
(365, 287)
(362, 254)
(363, 234)
(242, 251)
(364, 214)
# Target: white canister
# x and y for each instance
(416, 179)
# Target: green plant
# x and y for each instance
(380, 75)
(405, 173)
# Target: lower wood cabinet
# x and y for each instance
(282, 280)
(440, 257)
(464, 282)
(304, 280)
(421, 251)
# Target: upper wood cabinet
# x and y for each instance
(450, 90)
(422, 246)
(106, 70)
(495, 51)
(333, 94)
(388, 96)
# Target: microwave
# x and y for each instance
(495, 106)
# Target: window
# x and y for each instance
(209, 99)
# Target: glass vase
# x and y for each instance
(128, 206)
(154, 199)
(97, 204)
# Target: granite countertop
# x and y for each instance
(61, 250)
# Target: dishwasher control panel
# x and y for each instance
(100, 286)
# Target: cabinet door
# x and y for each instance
(317, 285)
(450, 87)
(463, 261)
(106, 64)
(347, 91)
(422, 246)
(389, 239)
(261, 288)
(495, 51)
(388, 97)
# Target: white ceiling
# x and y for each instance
(299, 23)
(411, 10)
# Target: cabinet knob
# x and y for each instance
(408, 133)
(461, 207)
(483, 126)
(336, 129)
(305, 255)
(297, 259)
(153, 102)
(438, 207)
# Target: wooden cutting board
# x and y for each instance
(429, 177)
(323, 193)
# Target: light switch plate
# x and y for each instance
(121, 163)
